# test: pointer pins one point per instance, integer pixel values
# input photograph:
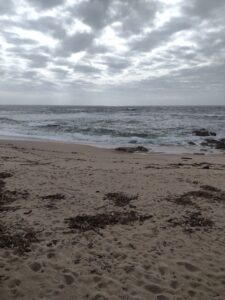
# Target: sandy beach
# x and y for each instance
(79, 222)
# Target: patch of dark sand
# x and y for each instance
(193, 221)
(100, 221)
(120, 199)
(20, 241)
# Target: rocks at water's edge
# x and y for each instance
(218, 144)
(191, 143)
(203, 132)
(132, 149)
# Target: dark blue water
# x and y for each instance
(153, 125)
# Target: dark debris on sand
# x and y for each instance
(17, 239)
(7, 197)
(53, 197)
(120, 199)
(192, 221)
(20, 242)
(4, 175)
(207, 192)
(100, 221)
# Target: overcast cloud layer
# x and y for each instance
(112, 52)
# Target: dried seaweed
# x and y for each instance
(7, 197)
(53, 197)
(207, 192)
(192, 221)
(19, 242)
(120, 198)
(100, 221)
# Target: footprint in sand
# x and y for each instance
(188, 266)
(163, 270)
(14, 283)
(50, 254)
(61, 286)
(155, 289)
(174, 284)
(99, 296)
(162, 297)
(68, 279)
(35, 266)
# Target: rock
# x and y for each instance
(203, 132)
(220, 144)
(212, 133)
(217, 144)
(191, 143)
(132, 149)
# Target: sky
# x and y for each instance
(112, 52)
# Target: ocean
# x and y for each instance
(111, 126)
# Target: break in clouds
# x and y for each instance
(112, 52)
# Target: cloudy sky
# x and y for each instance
(112, 52)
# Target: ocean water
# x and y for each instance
(111, 126)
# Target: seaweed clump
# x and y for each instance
(120, 198)
(193, 221)
(19, 242)
(100, 221)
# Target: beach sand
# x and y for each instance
(78, 222)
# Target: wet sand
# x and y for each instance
(78, 222)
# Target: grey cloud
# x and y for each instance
(45, 4)
(30, 74)
(14, 39)
(134, 15)
(204, 75)
(93, 12)
(160, 35)
(36, 60)
(204, 8)
(88, 69)
(97, 49)
(131, 14)
(75, 43)
(116, 65)
(47, 25)
(203, 55)
(59, 72)
(6, 7)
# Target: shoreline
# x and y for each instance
(153, 149)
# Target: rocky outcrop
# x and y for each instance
(203, 132)
(191, 143)
(217, 144)
(132, 149)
